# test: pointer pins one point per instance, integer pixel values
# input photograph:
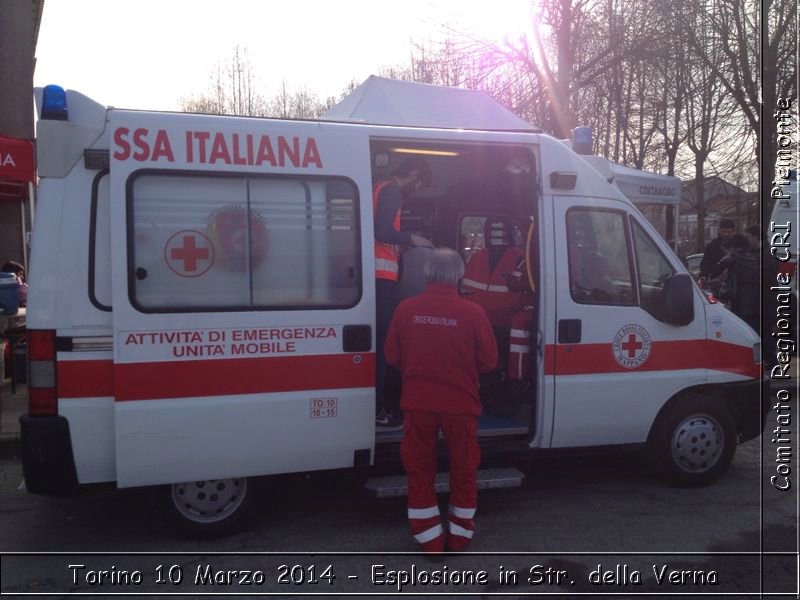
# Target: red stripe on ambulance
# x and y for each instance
(593, 359)
(85, 378)
(223, 377)
(227, 377)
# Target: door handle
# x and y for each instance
(569, 331)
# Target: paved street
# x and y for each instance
(567, 507)
(580, 525)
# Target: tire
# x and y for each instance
(693, 441)
(211, 508)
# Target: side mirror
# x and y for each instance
(678, 299)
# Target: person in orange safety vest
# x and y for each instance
(387, 204)
(441, 342)
(496, 278)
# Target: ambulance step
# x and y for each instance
(396, 485)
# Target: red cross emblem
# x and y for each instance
(631, 346)
(189, 253)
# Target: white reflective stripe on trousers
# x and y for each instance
(430, 534)
(462, 513)
(423, 513)
(456, 529)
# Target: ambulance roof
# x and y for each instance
(638, 186)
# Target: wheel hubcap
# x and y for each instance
(209, 501)
(697, 443)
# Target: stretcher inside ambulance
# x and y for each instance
(202, 305)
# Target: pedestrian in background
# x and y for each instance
(743, 267)
(715, 250)
(441, 342)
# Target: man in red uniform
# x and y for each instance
(387, 204)
(440, 343)
(496, 279)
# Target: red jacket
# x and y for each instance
(440, 342)
(491, 289)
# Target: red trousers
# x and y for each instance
(418, 453)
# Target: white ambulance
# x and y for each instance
(202, 304)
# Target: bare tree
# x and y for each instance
(708, 109)
(745, 27)
(305, 104)
(281, 104)
(232, 90)
(671, 82)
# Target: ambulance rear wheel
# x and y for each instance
(693, 441)
(210, 508)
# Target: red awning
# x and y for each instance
(17, 168)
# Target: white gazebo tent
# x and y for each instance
(382, 101)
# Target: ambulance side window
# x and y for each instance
(599, 263)
(471, 236)
(206, 243)
(653, 270)
(100, 243)
(471, 233)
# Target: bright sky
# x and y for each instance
(148, 54)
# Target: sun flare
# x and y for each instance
(494, 21)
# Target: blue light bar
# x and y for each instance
(582, 140)
(54, 103)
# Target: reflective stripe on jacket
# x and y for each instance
(386, 259)
(490, 289)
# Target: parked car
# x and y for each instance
(693, 264)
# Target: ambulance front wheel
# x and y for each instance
(210, 508)
(693, 441)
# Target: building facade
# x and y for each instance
(19, 31)
(721, 200)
